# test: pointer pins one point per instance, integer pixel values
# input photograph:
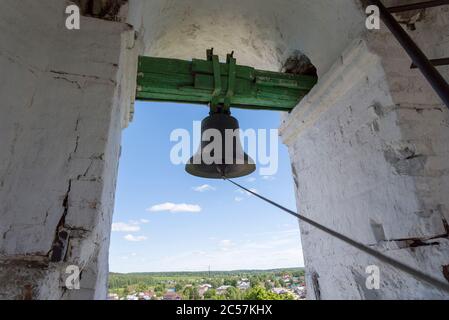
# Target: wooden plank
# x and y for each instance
(178, 79)
(305, 83)
(161, 79)
(164, 66)
(204, 81)
(201, 66)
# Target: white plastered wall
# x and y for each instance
(66, 95)
(370, 156)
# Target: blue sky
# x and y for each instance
(228, 229)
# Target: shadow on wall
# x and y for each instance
(102, 9)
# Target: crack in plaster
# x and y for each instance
(70, 81)
(63, 73)
(59, 247)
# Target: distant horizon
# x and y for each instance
(206, 271)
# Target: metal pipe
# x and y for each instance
(435, 79)
(417, 6)
(435, 63)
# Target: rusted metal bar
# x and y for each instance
(418, 5)
(435, 62)
(432, 75)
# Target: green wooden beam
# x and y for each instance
(209, 82)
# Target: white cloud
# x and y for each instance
(225, 245)
(173, 207)
(238, 199)
(199, 253)
(258, 251)
(268, 178)
(125, 227)
(204, 188)
(130, 237)
(144, 221)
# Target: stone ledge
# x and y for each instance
(344, 74)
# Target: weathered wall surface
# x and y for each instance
(67, 94)
(263, 33)
(368, 146)
(370, 156)
(65, 99)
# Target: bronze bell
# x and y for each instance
(224, 165)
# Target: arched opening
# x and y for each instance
(262, 47)
(368, 146)
(168, 221)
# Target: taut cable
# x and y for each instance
(380, 256)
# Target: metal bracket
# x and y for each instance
(232, 62)
(217, 79)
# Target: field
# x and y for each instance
(214, 285)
